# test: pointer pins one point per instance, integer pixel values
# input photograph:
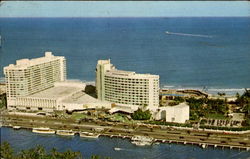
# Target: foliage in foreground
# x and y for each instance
(225, 128)
(6, 152)
(244, 102)
(3, 103)
(141, 115)
(169, 123)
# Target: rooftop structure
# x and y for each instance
(125, 88)
(63, 96)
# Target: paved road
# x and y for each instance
(157, 132)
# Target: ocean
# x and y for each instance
(104, 146)
(218, 60)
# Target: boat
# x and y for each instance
(65, 132)
(117, 149)
(204, 146)
(89, 135)
(142, 140)
(43, 130)
(16, 127)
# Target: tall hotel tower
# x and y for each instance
(125, 88)
(27, 77)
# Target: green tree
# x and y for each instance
(95, 157)
(179, 99)
(3, 102)
(247, 121)
(90, 90)
(246, 109)
(141, 115)
(244, 99)
(37, 152)
(6, 151)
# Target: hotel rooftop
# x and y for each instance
(23, 63)
(130, 74)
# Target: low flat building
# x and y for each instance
(63, 96)
(176, 114)
(80, 100)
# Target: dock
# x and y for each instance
(161, 134)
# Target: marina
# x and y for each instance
(136, 140)
(157, 134)
(117, 147)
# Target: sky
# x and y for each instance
(124, 9)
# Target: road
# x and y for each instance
(160, 133)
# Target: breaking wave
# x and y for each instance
(210, 90)
(185, 34)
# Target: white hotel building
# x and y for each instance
(126, 89)
(27, 76)
(40, 84)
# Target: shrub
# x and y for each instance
(169, 123)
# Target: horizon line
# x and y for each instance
(138, 17)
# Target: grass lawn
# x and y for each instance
(77, 116)
(119, 117)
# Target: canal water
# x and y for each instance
(104, 146)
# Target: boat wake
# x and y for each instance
(193, 35)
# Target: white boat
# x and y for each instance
(204, 146)
(16, 127)
(89, 135)
(142, 140)
(117, 149)
(43, 130)
(65, 132)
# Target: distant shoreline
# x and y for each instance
(210, 90)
